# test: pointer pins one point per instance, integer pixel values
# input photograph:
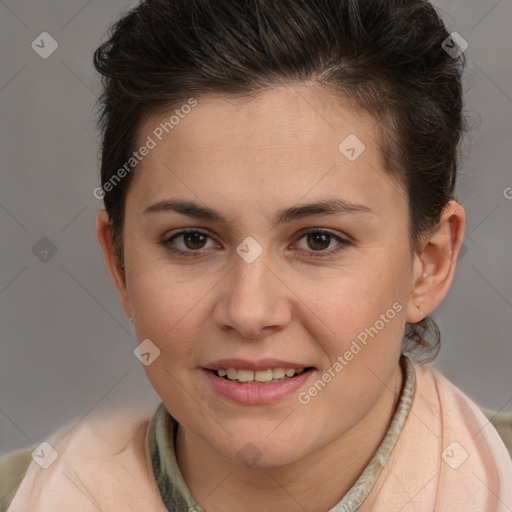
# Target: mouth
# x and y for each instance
(254, 383)
(259, 377)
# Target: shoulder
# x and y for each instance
(459, 411)
(502, 422)
(106, 450)
(13, 468)
(448, 437)
(465, 426)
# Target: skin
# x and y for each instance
(246, 159)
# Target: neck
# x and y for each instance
(217, 484)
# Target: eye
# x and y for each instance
(317, 243)
(187, 241)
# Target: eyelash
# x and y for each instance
(343, 243)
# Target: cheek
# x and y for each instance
(163, 296)
(361, 332)
(169, 311)
(360, 318)
(344, 306)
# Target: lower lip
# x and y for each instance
(256, 393)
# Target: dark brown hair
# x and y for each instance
(384, 56)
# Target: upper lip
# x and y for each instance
(261, 364)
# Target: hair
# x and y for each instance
(382, 56)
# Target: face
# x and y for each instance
(255, 244)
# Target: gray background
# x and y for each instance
(66, 346)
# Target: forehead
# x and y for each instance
(281, 116)
(284, 141)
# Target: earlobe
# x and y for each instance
(434, 267)
(104, 234)
(414, 311)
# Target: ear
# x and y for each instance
(104, 232)
(434, 267)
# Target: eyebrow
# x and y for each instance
(323, 207)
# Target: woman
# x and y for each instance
(280, 221)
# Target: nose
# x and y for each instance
(253, 302)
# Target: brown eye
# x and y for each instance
(188, 241)
(194, 240)
(318, 241)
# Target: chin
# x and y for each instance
(259, 451)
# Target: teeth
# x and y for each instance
(279, 373)
(263, 375)
(259, 375)
(245, 375)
